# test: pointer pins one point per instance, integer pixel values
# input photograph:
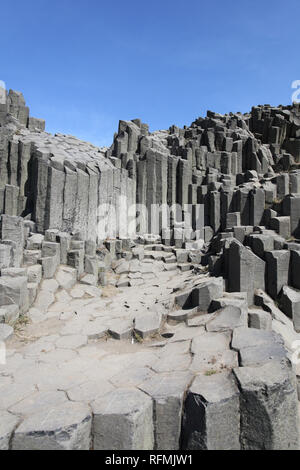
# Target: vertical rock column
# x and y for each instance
(257, 206)
(243, 201)
(12, 229)
(82, 201)
(113, 177)
(25, 155)
(161, 188)
(3, 166)
(246, 271)
(212, 419)
(70, 198)
(278, 262)
(172, 188)
(93, 174)
(226, 206)
(102, 203)
(269, 407)
(184, 177)
(55, 198)
(215, 210)
(40, 172)
(122, 205)
(151, 188)
(141, 195)
(291, 207)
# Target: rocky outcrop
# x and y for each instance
(217, 204)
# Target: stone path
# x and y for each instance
(94, 360)
(67, 353)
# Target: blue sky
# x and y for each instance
(83, 65)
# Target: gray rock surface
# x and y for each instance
(8, 424)
(63, 427)
(270, 390)
(212, 418)
(167, 391)
(231, 187)
(123, 420)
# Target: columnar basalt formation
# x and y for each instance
(181, 245)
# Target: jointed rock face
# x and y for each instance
(149, 292)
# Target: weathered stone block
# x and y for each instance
(76, 260)
(123, 420)
(14, 291)
(246, 271)
(233, 219)
(12, 228)
(167, 391)
(290, 305)
(260, 319)
(269, 390)
(277, 262)
(64, 427)
(281, 225)
(211, 418)
(207, 291)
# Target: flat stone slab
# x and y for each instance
(227, 319)
(14, 393)
(64, 427)
(211, 342)
(89, 391)
(212, 362)
(182, 315)
(185, 334)
(58, 356)
(37, 402)
(71, 341)
(172, 363)
(200, 320)
(264, 353)
(171, 349)
(131, 377)
(123, 420)
(249, 337)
